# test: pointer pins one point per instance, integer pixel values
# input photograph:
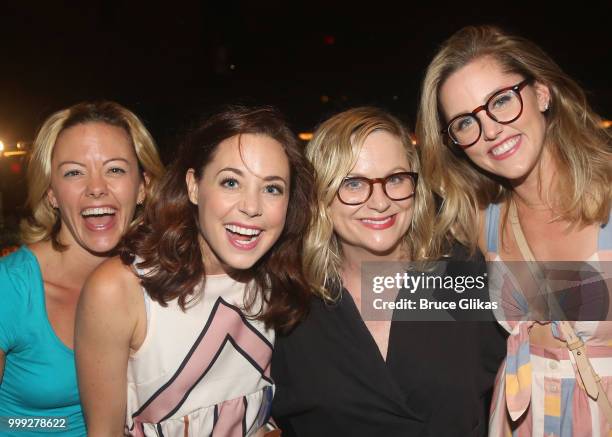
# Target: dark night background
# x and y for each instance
(171, 61)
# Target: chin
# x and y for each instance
(381, 249)
(242, 262)
(241, 265)
(101, 248)
(515, 175)
(101, 244)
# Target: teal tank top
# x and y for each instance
(39, 372)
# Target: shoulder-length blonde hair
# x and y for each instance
(578, 143)
(333, 152)
(44, 221)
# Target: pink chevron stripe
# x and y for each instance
(229, 423)
(224, 322)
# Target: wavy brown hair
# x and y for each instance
(168, 240)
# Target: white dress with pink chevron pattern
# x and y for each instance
(203, 372)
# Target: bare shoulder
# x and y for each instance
(111, 305)
(112, 282)
(113, 272)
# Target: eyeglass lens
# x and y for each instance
(503, 108)
(356, 190)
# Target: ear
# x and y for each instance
(542, 95)
(51, 198)
(142, 188)
(192, 186)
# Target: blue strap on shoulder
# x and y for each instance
(604, 240)
(492, 226)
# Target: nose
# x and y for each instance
(490, 128)
(96, 186)
(250, 205)
(378, 201)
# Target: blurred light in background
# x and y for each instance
(305, 136)
(15, 153)
(15, 168)
(21, 148)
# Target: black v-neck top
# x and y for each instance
(331, 379)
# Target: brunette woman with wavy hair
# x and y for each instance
(218, 257)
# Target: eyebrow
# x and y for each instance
(495, 91)
(486, 99)
(395, 170)
(83, 165)
(241, 173)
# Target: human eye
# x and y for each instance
(72, 173)
(397, 178)
(117, 171)
(501, 100)
(231, 183)
(274, 189)
(463, 123)
(353, 184)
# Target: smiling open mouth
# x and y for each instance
(243, 237)
(505, 148)
(99, 218)
(379, 223)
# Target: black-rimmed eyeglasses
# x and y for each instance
(397, 186)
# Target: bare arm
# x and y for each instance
(107, 318)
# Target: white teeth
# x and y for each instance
(505, 146)
(243, 231)
(377, 222)
(98, 211)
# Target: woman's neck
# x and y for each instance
(535, 190)
(354, 257)
(70, 267)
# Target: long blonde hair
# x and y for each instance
(333, 152)
(44, 221)
(578, 143)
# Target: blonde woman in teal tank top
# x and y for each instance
(91, 166)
